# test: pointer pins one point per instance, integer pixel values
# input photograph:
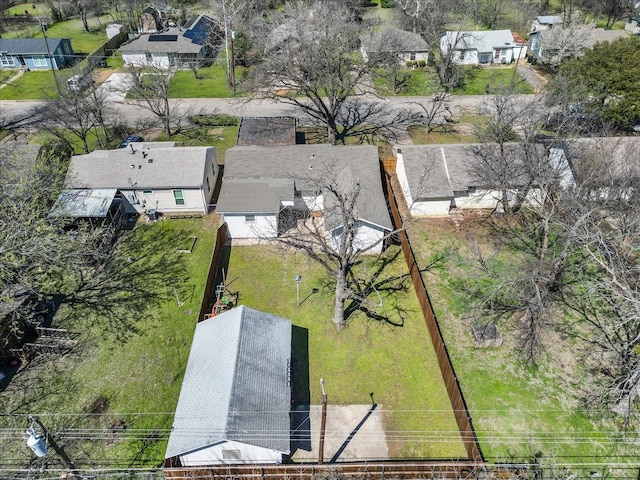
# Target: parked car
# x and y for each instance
(131, 139)
(78, 83)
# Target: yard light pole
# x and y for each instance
(298, 279)
(323, 423)
(46, 44)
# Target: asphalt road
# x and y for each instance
(12, 112)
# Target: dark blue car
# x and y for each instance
(131, 139)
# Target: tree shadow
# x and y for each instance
(368, 292)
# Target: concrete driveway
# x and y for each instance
(353, 432)
(115, 87)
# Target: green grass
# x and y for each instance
(32, 86)
(211, 83)
(517, 412)
(418, 82)
(483, 80)
(396, 363)
(222, 138)
(131, 362)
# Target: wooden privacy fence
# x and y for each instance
(444, 361)
(462, 470)
(221, 237)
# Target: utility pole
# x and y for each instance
(323, 423)
(50, 57)
(57, 448)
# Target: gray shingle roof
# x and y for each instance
(236, 384)
(437, 171)
(482, 41)
(245, 166)
(29, 46)
(147, 43)
(173, 167)
(394, 39)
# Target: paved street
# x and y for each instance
(126, 110)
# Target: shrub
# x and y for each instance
(386, 3)
(411, 63)
(215, 120)
(422, 63)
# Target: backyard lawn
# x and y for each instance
(111, 400)
(394, 362)
(517, 412)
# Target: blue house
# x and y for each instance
(32, 53)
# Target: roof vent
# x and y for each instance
(133, 166)
(150, 160)
(310, 167)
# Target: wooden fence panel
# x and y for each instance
(458, 404)
(221, 238)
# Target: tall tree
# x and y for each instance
(149, 87)
(342, 198)
(311, 61)
(604, 82)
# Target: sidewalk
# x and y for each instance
(13, 79)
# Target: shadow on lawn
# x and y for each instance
(368, 292)
(137, 275)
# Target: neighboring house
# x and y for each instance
(236, 394)
(479, 47)
(633, 24)
(267, 131)
(97, 207)
(545, 22)
(176, 47)
(406, 46)
(35, 53)
(620, 154)
(547, 46)
(266, 189)
(163, 179)
(156, 18)
(520, 46)
(437, 178)
(114, 29)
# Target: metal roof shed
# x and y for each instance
(235, 398)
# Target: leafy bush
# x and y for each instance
(215, 120)
(422, 63)
(411, 63)
(387, 3)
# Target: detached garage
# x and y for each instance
(236, 394)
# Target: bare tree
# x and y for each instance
(310, 62)
(71, 118)
(150, 89)
(568, 41)
(334, 239)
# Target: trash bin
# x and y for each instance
(152, 214)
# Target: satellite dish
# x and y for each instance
(36, 443)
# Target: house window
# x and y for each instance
(178, 196)
(147, 192)
(413, 55)
(462, 54)
(249, 219)
(39, 61)
(6, 61)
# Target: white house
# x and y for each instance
(267, 189)
(479, 47)
(236, 395)
(165, 179)
(437, 178)
(175, 47)
(545, 22)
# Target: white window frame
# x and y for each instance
(7, 61)
(250, 219)
(179, 193)
(40, 61)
